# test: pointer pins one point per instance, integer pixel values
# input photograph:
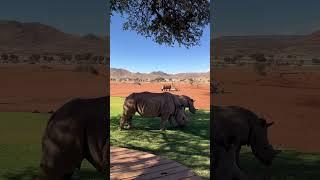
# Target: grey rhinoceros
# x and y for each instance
(247, 127)
(78, 130)
(147, 104)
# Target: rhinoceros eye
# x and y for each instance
(263, 122)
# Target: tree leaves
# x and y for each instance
(166, 22)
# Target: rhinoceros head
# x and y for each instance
(259, 142)
(188, 102)
(182, 118)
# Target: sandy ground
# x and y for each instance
(291, 101)
(200, 93)
(33, 87)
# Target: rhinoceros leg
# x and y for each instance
(130, 126)
(238, 155)
(171, 121)
(164, 119)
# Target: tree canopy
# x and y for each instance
(165, 21)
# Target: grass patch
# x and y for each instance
(20, 147)
(288, 165)
(189, 146)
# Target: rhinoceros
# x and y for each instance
(147, 104)
(247, 127)
(166, 87)
(78, 130)
(188, 102)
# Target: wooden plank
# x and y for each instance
(132, 164)
(146, 164)
(187, 174)
(117, 149)
(162, 173)
(132, 159)
(192, 178)
(153, 169)
(129, 154)
(119, 153)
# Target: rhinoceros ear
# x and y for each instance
(263, 122)
(270, 124)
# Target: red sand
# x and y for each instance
(293, 102)
(25, 88)
(200, 93)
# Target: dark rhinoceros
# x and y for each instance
(248, 129)
(78, 130)
(166, 87)
(147, 104)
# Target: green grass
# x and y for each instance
(189, 146)
(20, 147)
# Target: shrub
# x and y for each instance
(261, 69)
(87, 68)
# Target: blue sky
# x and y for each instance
(139, 54)
(260, 17)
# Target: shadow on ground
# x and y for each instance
(31, 173)
(287, 165)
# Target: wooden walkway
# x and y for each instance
(131, 164)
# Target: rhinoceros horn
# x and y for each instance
(270, 124)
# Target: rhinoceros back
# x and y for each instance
(149, 104)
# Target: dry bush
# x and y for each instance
(87, 68)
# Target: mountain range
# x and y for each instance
(34, 37)
(277, 45)
(116, 73)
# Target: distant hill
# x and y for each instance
(278, 45)
(38, 38)
(117, 74)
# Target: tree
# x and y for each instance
(34, 58)
(315, 61)
(160, 79)
(4, 56)
(165, 21)
(258, 57)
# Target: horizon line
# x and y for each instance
(170, 73)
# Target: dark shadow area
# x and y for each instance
(287, 165)
(31, 173)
